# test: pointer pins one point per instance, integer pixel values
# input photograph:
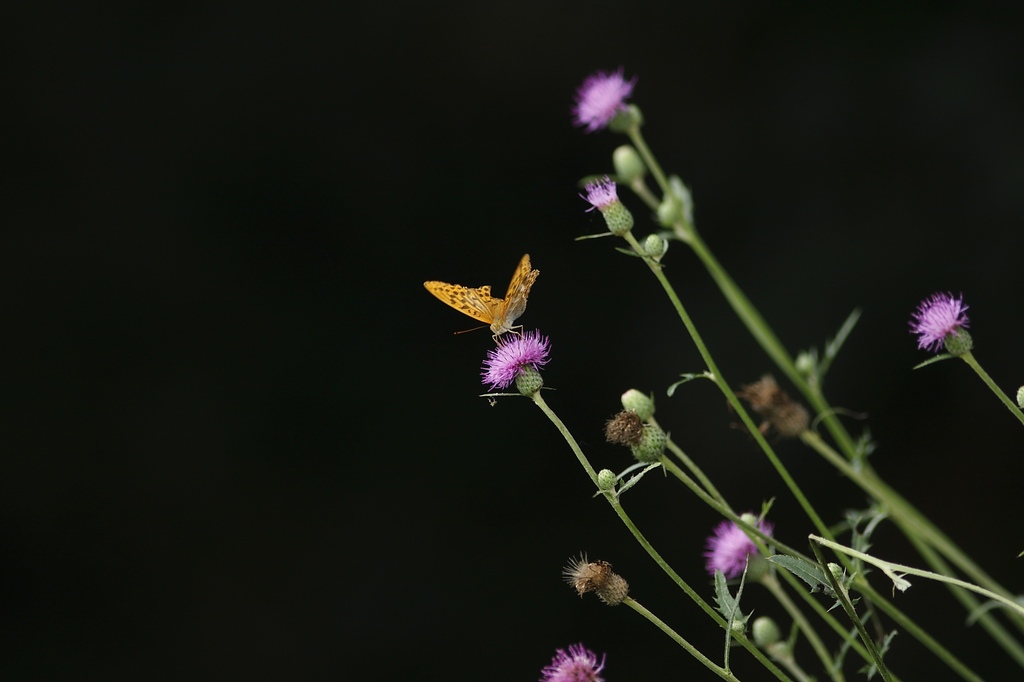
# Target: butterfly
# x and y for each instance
(478, 303)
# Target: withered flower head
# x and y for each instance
(596, 576)
(625, 428)
(788, 418)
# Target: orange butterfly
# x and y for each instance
(478, 303)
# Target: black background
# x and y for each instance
(241, 440)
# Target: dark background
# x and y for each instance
(239, 438)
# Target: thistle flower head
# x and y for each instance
(601, 96)
(728, 548)
(601, 193)
(578, 664)
(937, 318)
(514, 357)
(603, 196)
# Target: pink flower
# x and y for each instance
(728, 548)
(939, 316)
(579, 664)
(600, 97)
(601, 193)
(507, 361)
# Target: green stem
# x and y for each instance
(844, 598)
(775, 587)
(985, 619)
(678, 639)
(970, 360)
(694, 469)
(567, 435)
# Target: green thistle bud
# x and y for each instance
(670, 211)
(805, 364)
(655, 246)
(606, 480)
(618, 219)
(765, 632)
(958, 342)
(629, 167)
(635, 401)
(1020, 397)
(626, 118)
(652, 444)
(528, 381)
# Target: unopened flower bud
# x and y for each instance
(655, 246)
(1020, 397)
(606, 480)
(651, 445)
(765, 632)
(641, 403)
(804, 364)
(628, 164)
(669, 211)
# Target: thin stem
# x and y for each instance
(775, 587)
(844, 598)
(970, 360)
(567, 435)
(678, 639)
(694, 469)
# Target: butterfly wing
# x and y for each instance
(477, 303)
(514, 304)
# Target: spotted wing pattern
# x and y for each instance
(518, 293)
(478, 303)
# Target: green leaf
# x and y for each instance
(688, 377)
(937, 358)
(805, 570)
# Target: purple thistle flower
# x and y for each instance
(937, 317)
(600, 97)
(578, 664)
(601, 193)
(506, 362)
(729, 546)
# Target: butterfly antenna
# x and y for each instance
(473, 329)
